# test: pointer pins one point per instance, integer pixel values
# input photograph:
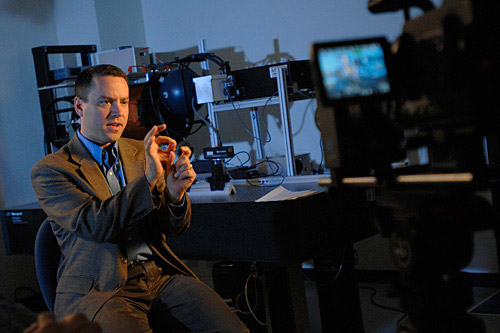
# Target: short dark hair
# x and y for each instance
(85, 79)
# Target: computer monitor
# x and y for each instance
(20, 226)
(353, 69)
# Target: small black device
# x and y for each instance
(256, 82)
(352, 70)
(211, 153)
(219, 176)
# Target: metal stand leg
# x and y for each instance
(338, 293)
(285, 295)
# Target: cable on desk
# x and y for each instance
(256, 182)
(372, 300)
(273, 173)
(271, 162)
(236, 155)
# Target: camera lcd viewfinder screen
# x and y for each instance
(353, 71)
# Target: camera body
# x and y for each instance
(427, 103)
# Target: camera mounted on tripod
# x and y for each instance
(415, 125)
(423, 104)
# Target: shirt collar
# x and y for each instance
(94, 148)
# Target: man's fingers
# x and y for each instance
(185, 174)
(166, 143)
(154, 162)
(46, 317)
(154, 131)
(46, 322)
(74, 320)
(151, 133)
(79, 323)
(185, 151)
(184, 168)
(182, 161)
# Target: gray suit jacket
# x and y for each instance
(88, 222)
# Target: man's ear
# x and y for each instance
(78, 103)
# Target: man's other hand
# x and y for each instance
(156, 159)
(179, 176)
(46, 323)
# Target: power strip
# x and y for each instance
(266, 181)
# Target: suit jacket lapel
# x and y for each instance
(89, 168)
(133, 165)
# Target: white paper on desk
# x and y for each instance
(280, 193)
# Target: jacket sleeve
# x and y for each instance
(72, 202)
(176, 224)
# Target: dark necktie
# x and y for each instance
(111, 169)
(137, 248)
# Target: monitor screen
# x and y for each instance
(352, 69)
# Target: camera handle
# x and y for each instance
(384, 6)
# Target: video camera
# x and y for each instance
(425, 104)
(415, 124)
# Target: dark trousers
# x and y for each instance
(152, 301)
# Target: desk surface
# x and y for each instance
(250, 192)
(236, 227)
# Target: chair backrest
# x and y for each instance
(47, 257)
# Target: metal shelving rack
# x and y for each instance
(54, 134)
(282, 100)
(278, 72)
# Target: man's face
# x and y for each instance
(105, 113)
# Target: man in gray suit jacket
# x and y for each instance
(112, 203)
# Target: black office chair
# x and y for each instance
(47, 257)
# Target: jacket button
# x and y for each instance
(124, 260)
(118, 286)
